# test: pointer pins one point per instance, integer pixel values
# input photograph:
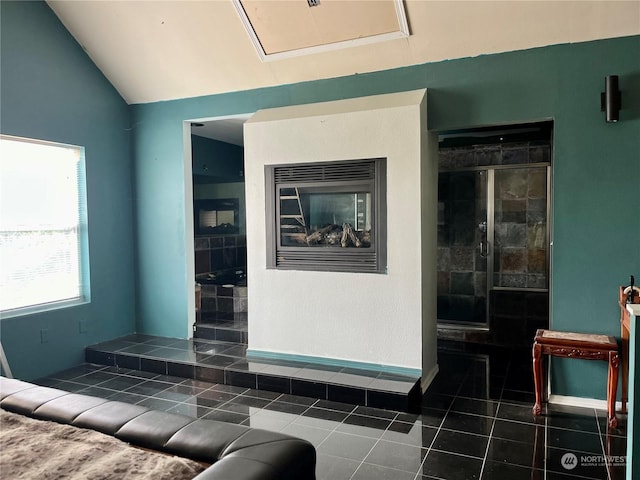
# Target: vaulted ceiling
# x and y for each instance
(163, 50)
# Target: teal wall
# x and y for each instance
(137, 209)
(593, 228)
(51, 90)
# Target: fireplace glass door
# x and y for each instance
(330, 217)
(327, 216)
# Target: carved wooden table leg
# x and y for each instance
(612, 388)
(537, 377)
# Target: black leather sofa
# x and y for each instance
(235, 452)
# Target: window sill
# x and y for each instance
(44, 307)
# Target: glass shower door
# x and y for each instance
(493, 256)
(463, 247)
(520, 253)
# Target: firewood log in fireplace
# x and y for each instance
(337, 235)
(334, 236)
(318, 235)
(349, 235)
(298, 238)
(365, 236)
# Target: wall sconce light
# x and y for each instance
(610, 99)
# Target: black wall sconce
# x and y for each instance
(610, 99)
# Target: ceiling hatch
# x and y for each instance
(280, 29)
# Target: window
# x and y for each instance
(216, 216)
(43, 226)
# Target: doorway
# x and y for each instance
(219, 228)
(493, 233)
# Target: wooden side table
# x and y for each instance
(625, 328)
(577, 345)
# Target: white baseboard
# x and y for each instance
(428, 378)
(581, 402)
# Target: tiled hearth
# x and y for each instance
(218, 354)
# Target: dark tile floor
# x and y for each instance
(475, 422)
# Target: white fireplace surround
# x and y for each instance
(387, 320)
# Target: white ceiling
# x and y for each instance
(163, 50)
(227, 130)
(170, 49)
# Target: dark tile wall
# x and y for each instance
(220, 252)
(219, 299)
(520, 253)
(516, 315)
(491, 154)
(461, 281)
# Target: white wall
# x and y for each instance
(429, 219)
(373, 318)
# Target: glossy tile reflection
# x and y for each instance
(474, 422)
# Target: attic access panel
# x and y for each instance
(281, 29)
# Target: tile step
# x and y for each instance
(226, 363)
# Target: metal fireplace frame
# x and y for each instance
(330, 176)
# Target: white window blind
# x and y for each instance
(208, 218)
(42, 224)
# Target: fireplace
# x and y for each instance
(302, 294)
(327, 216)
